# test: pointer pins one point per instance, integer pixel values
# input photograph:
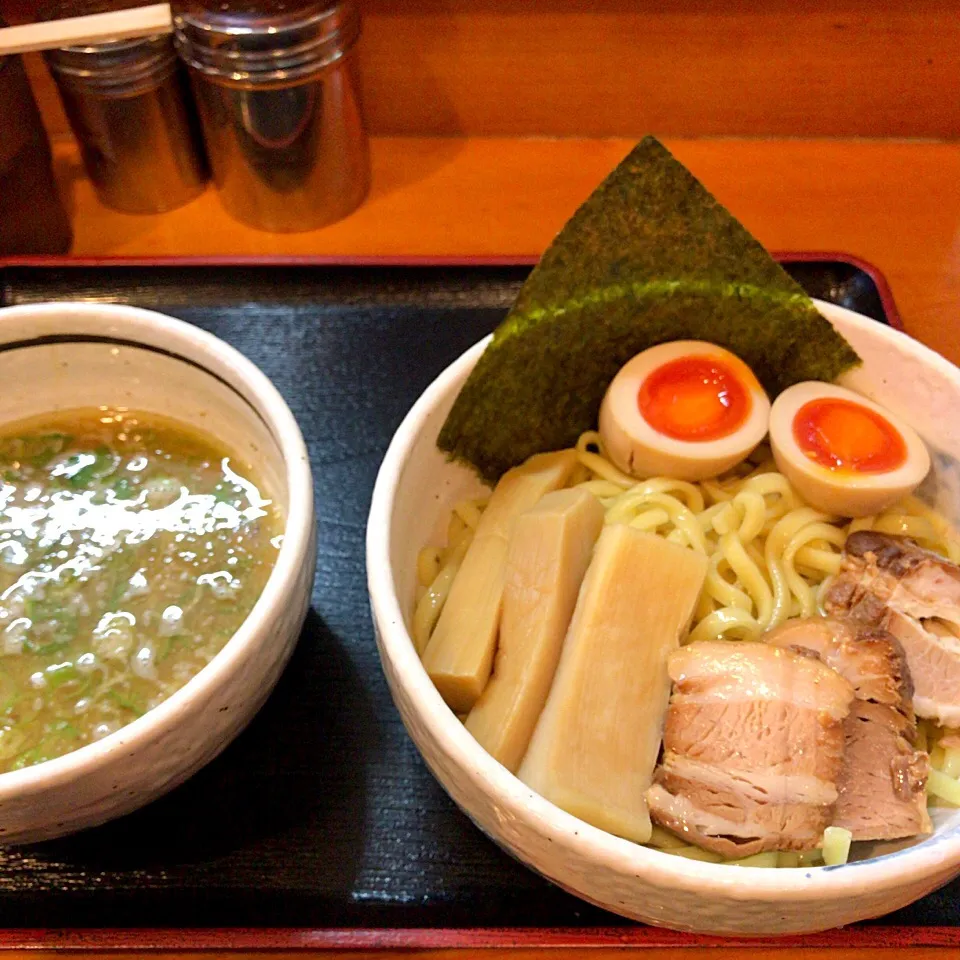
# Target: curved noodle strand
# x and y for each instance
(750, 575)
(799, 587)
(430, 606)
(428, 565)
(469, 512)
(715, 492)
(822, 562)
(625, 507)
(650, 519)
(597, 463)
(754, 510)
(722, 623)
(777, 540)
(726, 594)
(904, 525)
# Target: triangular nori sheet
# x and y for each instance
(651, 256)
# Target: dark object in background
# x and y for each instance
(32, 216)
(278, 96)
(129, 106)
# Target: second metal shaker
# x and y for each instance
(276, 87)
(129, 107)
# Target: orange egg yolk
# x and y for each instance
(842, 435)
(695, 398)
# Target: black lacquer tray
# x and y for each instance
(322, 815)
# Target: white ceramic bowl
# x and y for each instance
(67, 355)
(414, 492)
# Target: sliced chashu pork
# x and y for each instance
(891, 582)
(882, 784)
(753, 745)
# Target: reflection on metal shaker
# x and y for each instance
(129, 107)
(278, 96)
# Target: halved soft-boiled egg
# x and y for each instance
(686, 409)
(843, 453)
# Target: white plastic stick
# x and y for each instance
(92, 29)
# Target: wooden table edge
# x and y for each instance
(303, 939)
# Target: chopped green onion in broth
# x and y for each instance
(131, 549)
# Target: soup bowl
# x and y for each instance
(414, 492)
(63, 356)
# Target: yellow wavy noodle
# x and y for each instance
(437, 567)
(725, 519)
(749, 574)
(715, 491)
(753, 514)
(787, 583)
(428, 565)
(598, 464)
(629, 505)
(917, 527)
(947, 540)
(469, 512)
(724, 592)
(728, 623)
(801, 586)
(602, 489)
(822, 592)
(650, 520)
(430, 604)
(944, 758)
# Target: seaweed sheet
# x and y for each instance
(651, 256)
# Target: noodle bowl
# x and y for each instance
(412, 503)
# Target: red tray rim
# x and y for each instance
(389, 260)
(304, 939)
(295, 939)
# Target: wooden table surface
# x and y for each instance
(895, 204)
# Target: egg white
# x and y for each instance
(842, 492)
(640, 450)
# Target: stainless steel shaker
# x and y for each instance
(129, 106)
(32, 215)
(276, 86)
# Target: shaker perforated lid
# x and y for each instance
(122, 66)
(264, 40)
